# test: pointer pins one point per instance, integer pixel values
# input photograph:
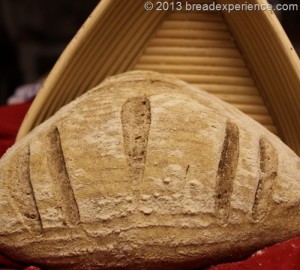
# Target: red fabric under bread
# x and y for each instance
(11, 118)
(283, 256)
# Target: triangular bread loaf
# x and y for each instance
(146, 172)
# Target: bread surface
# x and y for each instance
(146, 172)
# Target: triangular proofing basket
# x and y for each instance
(243, 57)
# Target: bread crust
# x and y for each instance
(146, 172)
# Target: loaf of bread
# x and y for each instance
(146, 172)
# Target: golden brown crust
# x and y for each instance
(147, 172)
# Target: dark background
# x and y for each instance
(33, 33)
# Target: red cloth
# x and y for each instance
(11, 118)
(283, 256)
